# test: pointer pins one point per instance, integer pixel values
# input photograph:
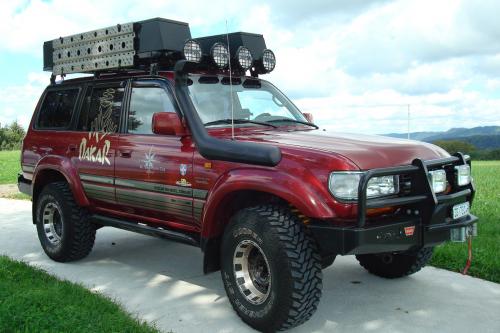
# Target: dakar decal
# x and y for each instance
(95, 148)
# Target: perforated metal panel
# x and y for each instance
(107, 48)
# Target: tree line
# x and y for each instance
(452, 146)
(11, 136)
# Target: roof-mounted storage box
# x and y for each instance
(116, 47)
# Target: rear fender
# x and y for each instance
(65, 167)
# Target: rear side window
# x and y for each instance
(101, 110)
(57, 109)
(144, 102)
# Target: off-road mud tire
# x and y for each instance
(294, 265)
(78, 234)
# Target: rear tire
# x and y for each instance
(63, 229)
(395, 265)
(271, 268)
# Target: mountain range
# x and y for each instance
(483, 137)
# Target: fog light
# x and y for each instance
(192, 51)
(268, 60)
(220, 55)
(438, 180)
(462, 174)
(244, 58)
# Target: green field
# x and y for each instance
(486, 246)
(34, 301)
(9, 166)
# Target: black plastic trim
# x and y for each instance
(24, 185)
(163, 232)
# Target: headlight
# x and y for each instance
(463, 174)
(244, 58)
(344, 185)
(192, 51)
(220, 55)
(438, 180)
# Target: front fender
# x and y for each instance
(305, 196)
(64, 166)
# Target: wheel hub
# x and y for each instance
(252, 273)
(52, 223)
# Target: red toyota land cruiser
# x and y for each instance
(169, 137)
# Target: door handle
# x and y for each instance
(125, 153)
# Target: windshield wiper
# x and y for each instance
(238, 121)
(293, 121)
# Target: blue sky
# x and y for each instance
(355, 65)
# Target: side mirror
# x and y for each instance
(309, 117)
(167, 123)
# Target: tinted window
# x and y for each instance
(101, 110)
(144, 102)
(57, 109)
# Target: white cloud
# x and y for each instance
(354, 64)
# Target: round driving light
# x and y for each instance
(244, 58)
(268, 60)
(220, 55)
(192, 51)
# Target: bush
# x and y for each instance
(11, 136)
(453, 146)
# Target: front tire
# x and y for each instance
(63, 229)
(271, 268)
(395, 265)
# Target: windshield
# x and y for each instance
(255, 102)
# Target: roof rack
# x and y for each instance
(152, 45)
(122, 46)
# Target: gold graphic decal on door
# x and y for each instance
(96, 148)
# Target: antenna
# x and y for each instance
(230, 84)
(408, 121)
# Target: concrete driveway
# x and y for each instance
(162, 282)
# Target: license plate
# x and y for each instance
(461, 210)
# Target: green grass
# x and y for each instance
(486, 246)
(33, 301)
(9, 166)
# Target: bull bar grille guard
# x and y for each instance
(421, 194)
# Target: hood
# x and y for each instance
(366, 151)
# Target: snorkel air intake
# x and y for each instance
(212, 148)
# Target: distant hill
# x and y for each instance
(483, 137)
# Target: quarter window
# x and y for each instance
(101, 110)
(57, 109)
(144, 102)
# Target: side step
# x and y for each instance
(178, 236)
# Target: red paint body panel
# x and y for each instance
(301, 177)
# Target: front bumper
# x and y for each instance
(424, 218)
